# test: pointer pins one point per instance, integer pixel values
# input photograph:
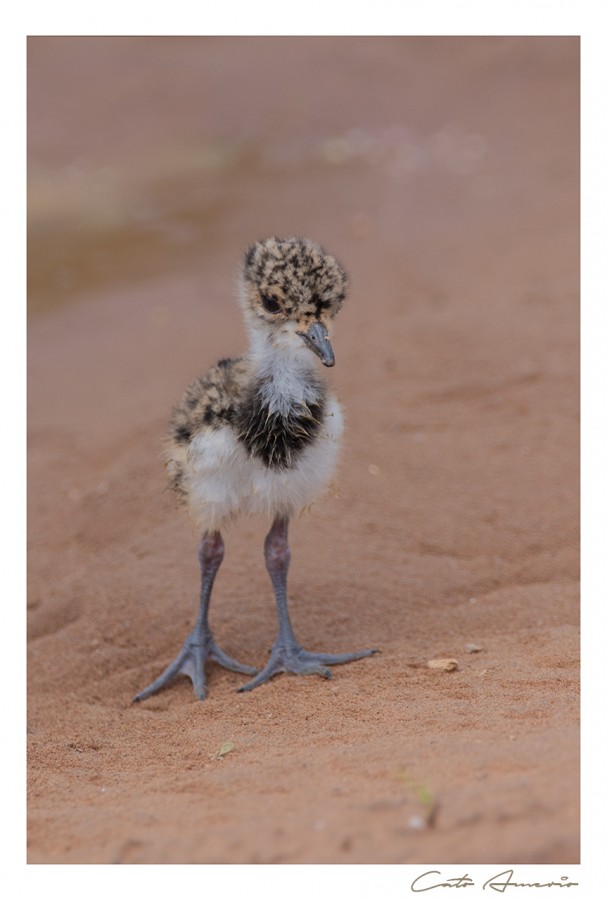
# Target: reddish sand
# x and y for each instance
(444, 173)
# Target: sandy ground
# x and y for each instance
(444, 173)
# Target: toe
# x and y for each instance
(227, 662)
(310, 667)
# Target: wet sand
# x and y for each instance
(444, 173)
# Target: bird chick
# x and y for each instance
(261, 434)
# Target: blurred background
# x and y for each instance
(150, 155)
(444, 173)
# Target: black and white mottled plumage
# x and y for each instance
(261, 434)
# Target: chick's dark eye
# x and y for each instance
(270, 304)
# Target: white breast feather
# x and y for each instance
(223, 481)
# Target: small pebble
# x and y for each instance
(447, 665)
(473, 648)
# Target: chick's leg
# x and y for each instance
(287, 655)
(200, 645)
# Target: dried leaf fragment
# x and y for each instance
(225, 748)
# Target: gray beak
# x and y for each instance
(317, 339)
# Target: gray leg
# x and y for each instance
(286, 654)
(200, 645)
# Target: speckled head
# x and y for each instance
(291, 290)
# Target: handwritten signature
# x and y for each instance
(430, 880)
